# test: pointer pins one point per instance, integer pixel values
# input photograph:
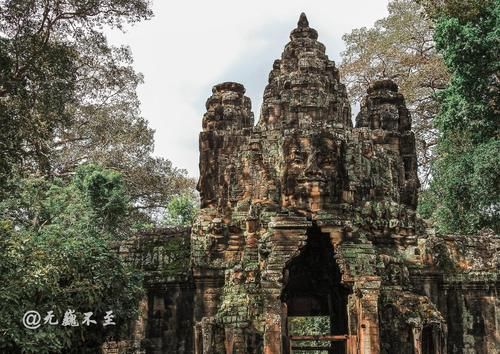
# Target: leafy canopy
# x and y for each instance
(465, 193)
(181, 210)
(67, 97)
(58, 252)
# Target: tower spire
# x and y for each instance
(303, 22)
(303, 30)
(304, 86)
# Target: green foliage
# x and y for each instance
(45, 53)
(57, 253)
(469, 9)
(67, 97)
(178, 253)
(104, 193)
(426, 203)
(464, 194)
(310, 325)
(76, 170)
(181, 210)
(470, 50)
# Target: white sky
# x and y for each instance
(189, 46)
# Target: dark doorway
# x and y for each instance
(427, 341)
(312, 287)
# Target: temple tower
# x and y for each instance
(303, 215)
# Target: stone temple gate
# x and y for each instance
(305, 216)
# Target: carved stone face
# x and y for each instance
(310, 175)
(388, 117)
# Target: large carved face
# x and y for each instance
(311, 173)
(387, 117)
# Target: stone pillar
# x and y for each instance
(139, 331)
(208, 287)
(288, 235)
(207, 335)
(369, 338)
(416, 332)
(198, 338)
(352, 324)
(206, 298)
(273, 330)
(272, 282)
(439, 338)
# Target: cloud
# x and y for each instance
(189, 46)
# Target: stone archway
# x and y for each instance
(314, 295)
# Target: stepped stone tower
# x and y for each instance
(305, 220)
(303, 215)
(296, 209)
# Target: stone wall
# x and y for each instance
(460, 274)
(165, 323)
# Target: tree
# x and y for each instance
(57, 253)
(44, 64)
(77, 172)
(454, 8)
(465, 194)
(67, 97)
(181, 210)
(400, 47)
